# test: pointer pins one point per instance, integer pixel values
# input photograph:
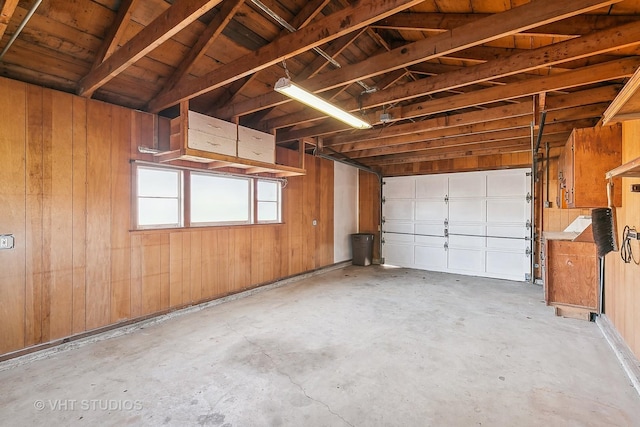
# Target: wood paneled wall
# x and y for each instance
(65, 194)
(622, 281)
(462, 164)
(369, 194)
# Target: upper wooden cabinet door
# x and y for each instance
(588, 154)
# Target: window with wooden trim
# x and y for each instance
(169, 197)
(159, 197)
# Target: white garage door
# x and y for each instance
(475, 223)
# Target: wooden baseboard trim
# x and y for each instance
(627, 359)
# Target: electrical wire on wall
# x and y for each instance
(626, 253)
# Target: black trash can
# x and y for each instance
(362, 246)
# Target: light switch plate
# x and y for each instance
(6, 241)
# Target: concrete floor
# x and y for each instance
(361, 346)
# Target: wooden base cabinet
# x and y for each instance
(571, 274)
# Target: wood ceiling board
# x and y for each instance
(170, 22)
(313, 35)
(6, 13)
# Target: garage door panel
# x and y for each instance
(399, 238)
(467, 210)
(508, 184)
(431, 240)
(467, 241)
(471, 260)
(430, 229)
(403, 187)
(431, 257)
(507, 264)
(432, 186)
(398, 209)
(482, 223)
(400, 255)
(519, 231)
(430, 210)
(519, 245)
(467, 185)
(507, 210)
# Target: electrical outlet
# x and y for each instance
(6, 241)
(635, 188)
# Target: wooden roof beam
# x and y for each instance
(414, 142)
(572, 26)
(114, 34)
(272, 99)
(611, 70)
(359, 15)
(206, 39)
(6, 12)
(574, 99)
(481, 138)
(170, 22)
(306, 15)
(489, 28)
(581, 47)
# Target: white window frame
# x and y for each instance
(184, 198)
(216, 223)
(180, 198)
(278, 201)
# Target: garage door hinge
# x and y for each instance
(528, 224)
(383, 199)
(446, 198)
(529, 198)
(384, 220)
(446, 233)
(446, 223)
(527, 277)
(383, 242)
(446, 246)
(528, 252)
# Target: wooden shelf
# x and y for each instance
(221, 161)
(628, 170)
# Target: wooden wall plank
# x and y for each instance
(241, 255)
(196, 266)
(79, 213)
(223, 260)
(67, 199)
(34, 218)
(120, 305)
(208, 262)
(58, 224)
(12, 212)
(369, 194)
(98, 251)
(151, 257)
(176, 275)
(622, 295)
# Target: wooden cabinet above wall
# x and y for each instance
(588, 155)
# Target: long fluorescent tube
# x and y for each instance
(285, 87)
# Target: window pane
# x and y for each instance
(158, 182)
(158, 212)
(219, 199)
(268, 211)
(268, 190)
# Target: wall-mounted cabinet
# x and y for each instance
(588, 154)
(224, 146)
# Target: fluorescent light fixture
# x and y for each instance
(285, 87)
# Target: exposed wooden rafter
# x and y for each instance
(114, 34)
(322, 31)
(170, 22)
(6, 12)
